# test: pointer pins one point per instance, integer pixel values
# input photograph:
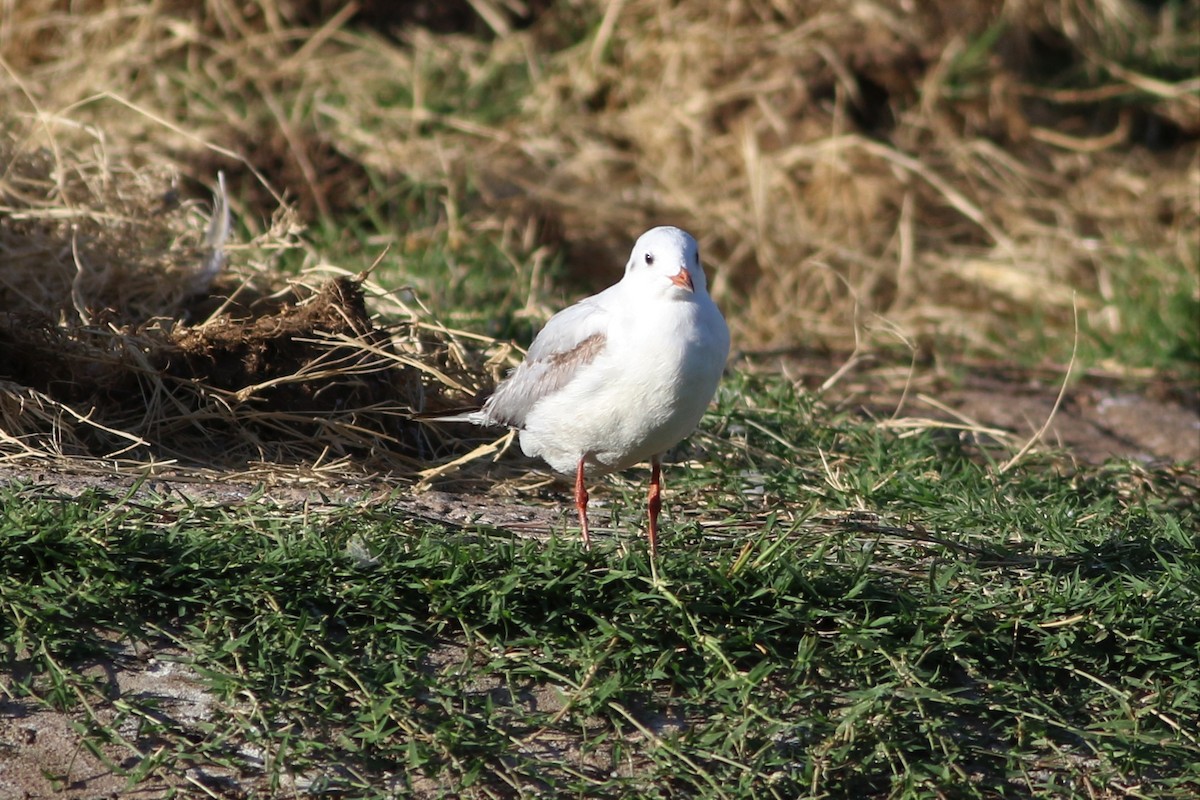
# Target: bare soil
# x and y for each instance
(1098, 417)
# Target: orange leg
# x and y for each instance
(654, 504)
(581, 498)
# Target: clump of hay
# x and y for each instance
(117, 339)
(944, 172)
(843, 158)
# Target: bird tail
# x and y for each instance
(472, 415)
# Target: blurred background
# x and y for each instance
(932, 182)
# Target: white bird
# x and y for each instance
(621, 376)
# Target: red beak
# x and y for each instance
(683, 280)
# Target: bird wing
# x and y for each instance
(571, 339)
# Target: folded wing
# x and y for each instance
(572, 338)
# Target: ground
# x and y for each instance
(256, 237)
(41, 752)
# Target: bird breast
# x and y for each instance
(640, 397)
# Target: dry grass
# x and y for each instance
(118, 340)
(856, 173)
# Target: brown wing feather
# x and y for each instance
(536, 378)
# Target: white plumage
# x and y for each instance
(621, 376)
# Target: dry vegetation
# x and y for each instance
(854, 171)
(119, 337)
(853, 605)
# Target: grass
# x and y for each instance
(477, 282)
(845, 610)
(899, 620)
(1153, 323)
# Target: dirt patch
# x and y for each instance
(1099, 417)
(1093, 424)
(42, 753)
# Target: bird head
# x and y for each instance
(667, 260)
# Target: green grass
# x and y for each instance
(1158, 303)
(1145, 319)
(900, 620)
(470, 281)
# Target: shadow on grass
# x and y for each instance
(369, 645)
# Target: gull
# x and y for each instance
(620, 377)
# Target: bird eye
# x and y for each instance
(649, 258)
